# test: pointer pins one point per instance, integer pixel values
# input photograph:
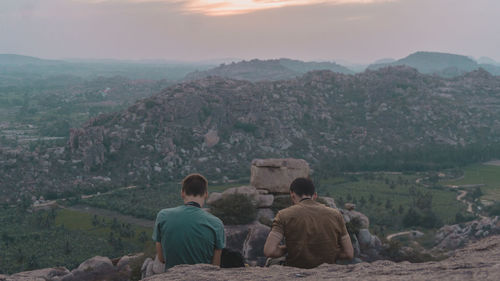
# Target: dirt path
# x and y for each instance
(390, 236)
(109, 192)
(460, 197)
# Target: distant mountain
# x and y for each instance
(269, 70)
(303, 67)
(14, 66)
(443, 64)
(19, 60)
(487, 60)
(384, 61)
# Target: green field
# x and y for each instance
(385, 198)
(489, 175)
(63, 238)
(145, 202)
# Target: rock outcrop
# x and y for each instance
(94, 269)
(269, 182)
(276, 175)
(451, 237)
(478, 261)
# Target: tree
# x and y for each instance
(411, 218)
(388, 204)
(362, 201)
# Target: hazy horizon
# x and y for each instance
(356, 31)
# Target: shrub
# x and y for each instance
(281, 202)
(354, 226)
(235, 209)
(247, 127)
(493, 210)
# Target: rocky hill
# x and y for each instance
(216, 126)
(18, 60)
(478, 261)
(270, 70)
(443, 64)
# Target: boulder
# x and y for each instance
(125, 261)
(451, 237)
(249, 240)
(266, 213)
(97, 263)
(265, 201)
(276, 175)
(37, 275)
(211, 138)
(214, 197)
(97, 268)
(354, 215)
(246, 190)
(151, 267)
(350, 206)
(330, 202)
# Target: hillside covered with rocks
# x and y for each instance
(392, 118)
(216, 126)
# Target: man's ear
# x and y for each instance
(206, 195)
(315, 196)
(183, 194)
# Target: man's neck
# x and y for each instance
(198, 199)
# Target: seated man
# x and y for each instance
(314, 234)
(187, 234)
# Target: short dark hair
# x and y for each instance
(302, 186)
(194, 185)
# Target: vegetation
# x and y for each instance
(62, 238)
(234, 209)
(394, 201)
(493, 210)
(488, 176)
(141, 201)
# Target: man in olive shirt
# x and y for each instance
(314, 233)
(187, 234)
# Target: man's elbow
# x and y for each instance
(350, 255)
(268, 253)
(271, 253)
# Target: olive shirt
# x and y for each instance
(188, 235)
(312, 233)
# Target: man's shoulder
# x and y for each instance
(213, 219)
(289, 211)
(169, 211)
(295, 209)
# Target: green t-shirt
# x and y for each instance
(188, 235)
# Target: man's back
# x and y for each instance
(188, 235)
(312, 233)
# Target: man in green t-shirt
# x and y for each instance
(187, 234)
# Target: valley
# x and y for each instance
(408, 149)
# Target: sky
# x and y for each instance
(359, 31)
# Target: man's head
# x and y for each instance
(302, 188)
(194, 185)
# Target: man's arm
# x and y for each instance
(216, 258)
(159, 252)
(272, 247)
(347, 250)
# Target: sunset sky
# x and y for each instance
(354, 30)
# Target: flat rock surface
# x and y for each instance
(478, 261)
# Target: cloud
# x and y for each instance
(235, 7)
